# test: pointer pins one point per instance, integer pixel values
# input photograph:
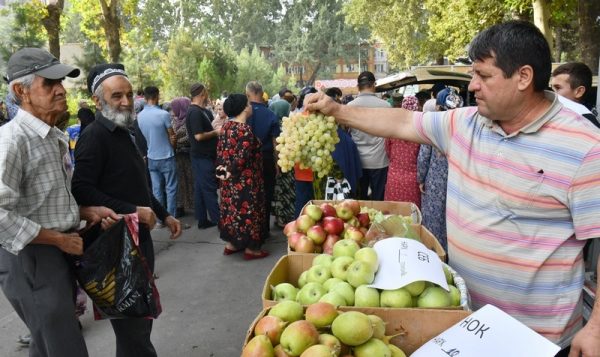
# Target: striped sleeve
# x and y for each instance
(437, 128)
(584, 196)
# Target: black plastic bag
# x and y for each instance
(115, 274)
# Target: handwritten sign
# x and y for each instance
(403, 261)
(488, 332)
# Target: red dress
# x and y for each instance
(242, 204)
(402, 182)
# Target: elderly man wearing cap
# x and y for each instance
(38, 214)
(110, 171)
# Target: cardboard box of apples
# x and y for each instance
(323, 223)
(343, 278)
(321, 329)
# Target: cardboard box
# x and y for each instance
(416, 326)
(289, 268)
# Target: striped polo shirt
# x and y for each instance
(519, 208)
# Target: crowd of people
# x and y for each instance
(502, 185)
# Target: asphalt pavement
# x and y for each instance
(209, 300)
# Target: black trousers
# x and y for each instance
(133, 335)
(269, 175)
(376, 180)
(39, 285)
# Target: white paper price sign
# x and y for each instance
(403, 261)
(488, 332)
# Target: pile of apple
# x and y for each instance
(342, 278)
(321, 331)
(320, 227)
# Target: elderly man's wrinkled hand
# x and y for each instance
(98, 214)
(174, 226)
(586, 342)
(71, 243)
(146, 216)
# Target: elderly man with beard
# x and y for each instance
(38, 214)
(110, 171)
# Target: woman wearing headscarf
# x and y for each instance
(432, 175)
(402, 182)
(239, 168)
(220, 116)
(185, 179)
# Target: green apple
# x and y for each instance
(396, 351)
(345, 247)
(329, 283)
(368, 255)
(378, 326)
(449, 277)
(353, 328)
(333, 298)
(284, 291)
(365, 296)
(434, 296)
(373, 347)
(323, 259)
(259, 345)
(346, 290)
(360, 273)
(332, 342)
(454, 295)
(321, 314)
(303, 279)
(395, 298)
(288, 311)
(318, 274)
(339, 267)
(310, 293)
(415, 288)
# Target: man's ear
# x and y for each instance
(96, 101)
(21, 93)
(525, 79)
(579, 92)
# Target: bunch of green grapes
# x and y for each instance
(309, 140)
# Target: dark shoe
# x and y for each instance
(24, 340)
(205, 225)
(260, 255)
(228, 251)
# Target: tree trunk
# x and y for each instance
(541, 19)
(52, 25)
(558, 45)
(589, 33)
(313, 76)
(112, 27)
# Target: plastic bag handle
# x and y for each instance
(132, 220)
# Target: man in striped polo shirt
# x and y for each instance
(523, 184)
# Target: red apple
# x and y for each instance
(355, 234)
(333, 225)
(304, 222)
(317, 234)
(353, 205)
(293, 239)
(328, 210)
(363, 219)
(330, 240)
(304, 245)
(290, 228)
(364, 230)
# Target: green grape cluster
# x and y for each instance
(309, 140)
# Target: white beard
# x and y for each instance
(122, 119)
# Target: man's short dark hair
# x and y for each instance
(365, 79)
(579, 75)
(334, 92)
(282, 91)
(151, 93)
(512, 45)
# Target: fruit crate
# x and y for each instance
(289, 267)
(415, 326)
(387, 207)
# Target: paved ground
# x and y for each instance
(209, 300)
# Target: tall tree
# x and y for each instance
(51, 22)
(25, 29)
(314, 32)
(589, 32)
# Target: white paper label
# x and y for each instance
(488, 332)
(403, 261)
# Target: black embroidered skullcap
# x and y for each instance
(235, 104)
(101, 72)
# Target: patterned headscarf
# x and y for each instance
(179, 107)
(448, 99)
(410, 103)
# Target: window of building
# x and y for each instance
(351, 67)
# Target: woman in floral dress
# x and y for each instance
(239, 164)
(402, 182)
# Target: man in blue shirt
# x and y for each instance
(265, 126)
(155, 125)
